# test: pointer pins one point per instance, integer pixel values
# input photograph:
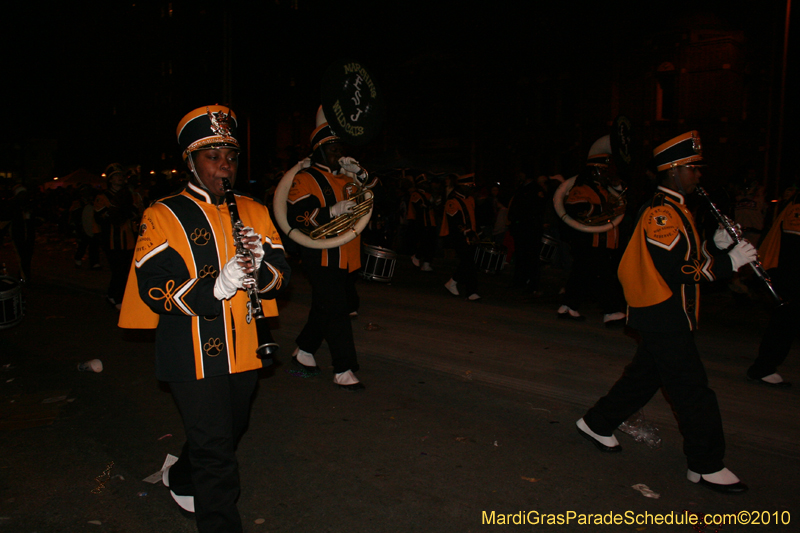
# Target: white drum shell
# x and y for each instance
(11, 306)
(377, 263)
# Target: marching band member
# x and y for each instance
(116, 211)
(186, 281)
(458, 223)
(423, 219)
(781, 252)
(317, 196)
(660, 272)
(595, 255)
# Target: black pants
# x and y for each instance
(466, 274)
(669, 361)
(329, 317)
(215, 414)
(425, 239)
(120, 263)
(777, 340)
(594, 271)
(85, 242)
(527, 245)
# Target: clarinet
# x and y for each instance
(726, 223)
(266, 344)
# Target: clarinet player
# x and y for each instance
(188, 282)
(660, 272)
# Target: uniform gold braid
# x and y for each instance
(167, 294)
(693, 270)
(304, 219)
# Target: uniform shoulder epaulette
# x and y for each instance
(168, 200)
(249, 197)
(659, 199)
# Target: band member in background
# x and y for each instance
(117, 211)
(458, 225)
(19, 214)
(525, 218)
(780, 252)
(660, 272)
(422, 218)
(595, 255)
(318, 196)
(187, 282)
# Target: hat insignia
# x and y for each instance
(696, 146)
(220, 124)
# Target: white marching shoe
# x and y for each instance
(451, 286)
(604, 444)
(723, 481)
(348, 381)
(185, 502)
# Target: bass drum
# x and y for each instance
(11, 308)
(377, 263)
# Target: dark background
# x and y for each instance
(467, 85)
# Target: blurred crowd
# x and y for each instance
(514, 218)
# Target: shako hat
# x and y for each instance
(467, 180)
(681, 150)
(113, 169)
(322, 134)
(600, 152)
(212, 126)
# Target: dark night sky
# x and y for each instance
(86, 75)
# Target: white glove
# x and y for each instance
(742, 253)
(722, 239)
(352, 169)
(229, 280)
(339, 208)
(258, 251)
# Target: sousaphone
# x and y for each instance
(353, 107)
(619, 146)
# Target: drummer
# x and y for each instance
(317, 196)
(458, 226)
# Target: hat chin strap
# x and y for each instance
(676, 182)
(198, 181)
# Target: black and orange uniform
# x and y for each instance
(780, 255)
(180, 284)
(660, 272)
(422, 218)
(313, 192)
(184, 240)
(458, 226)
(116, 215)
(595, 255)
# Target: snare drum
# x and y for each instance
(549, 247)
(10, 302)
(377, 263)
(490, 258)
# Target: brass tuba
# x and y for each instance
(599, 223)
(338, 231)
(363, 197)
(353, 102)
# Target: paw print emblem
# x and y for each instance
(208, 270)
(200, 236)
(213, 347)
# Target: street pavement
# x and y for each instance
(469, 410)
